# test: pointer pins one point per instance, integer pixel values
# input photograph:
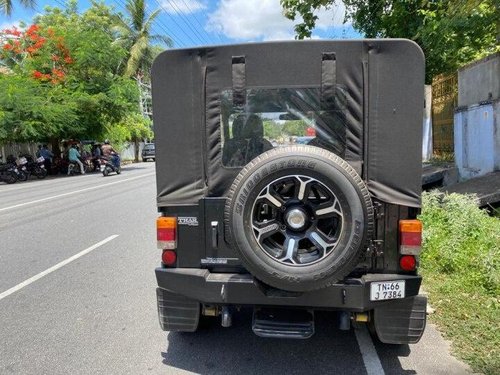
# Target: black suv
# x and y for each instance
(251, 217)
(148, 152)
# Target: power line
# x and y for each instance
(196, 19)
(173, 19)
(175, 7)
(198, 22)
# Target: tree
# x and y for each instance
(6, 5)
(136, 37)
(450, 32)
(63, 77)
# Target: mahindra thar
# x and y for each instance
(288, 181)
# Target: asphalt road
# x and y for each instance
(77, 295)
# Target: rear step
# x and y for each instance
(283, 323)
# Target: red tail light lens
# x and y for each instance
(410, 234)
(166, 232)
(169, 257)
(408, 263)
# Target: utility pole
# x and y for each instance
(145, 105)
(144, 97)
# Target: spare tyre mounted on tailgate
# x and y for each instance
(300, 217)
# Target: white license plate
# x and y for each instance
(383, 290)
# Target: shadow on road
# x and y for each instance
(217, 350)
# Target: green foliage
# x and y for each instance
(461, 240)
(31, 110)
(451, 32)
(272, 129)
(461, 269)
(91, 99)
(132, 127)
(295, 127)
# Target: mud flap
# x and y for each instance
(176, 312)
(401, 321)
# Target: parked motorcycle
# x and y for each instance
(18, 165)
(35, 167)
(112, 165)
(8, 172)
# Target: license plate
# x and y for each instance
(383, 290)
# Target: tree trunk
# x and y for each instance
(136, 150)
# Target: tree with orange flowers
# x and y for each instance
(39, 53)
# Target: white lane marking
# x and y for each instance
(31, 280)
(368, 351)
(75, 192)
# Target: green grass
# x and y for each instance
(461, 269)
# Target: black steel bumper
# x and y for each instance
(243, 289)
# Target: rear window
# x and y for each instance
(149, 147)
(281, 117)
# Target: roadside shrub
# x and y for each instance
(461, 240)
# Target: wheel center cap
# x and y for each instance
(296, 218)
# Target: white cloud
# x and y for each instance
(182, 6)
(332, 16)
(10, 25)
(263, 20)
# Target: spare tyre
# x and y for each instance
(300, 218)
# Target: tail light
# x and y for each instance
(410, 234)
(169, 257)
(166, 232)
(408, 263)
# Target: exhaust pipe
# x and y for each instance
(344, 321)
(227, 319)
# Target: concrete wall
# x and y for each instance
(16, 149)
(477, 118)
(477, 139)
(479, 81)
(427, 125)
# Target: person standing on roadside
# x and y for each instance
(73, 156)
(47, 155)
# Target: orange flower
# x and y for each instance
(58, 72)
(7, 46)
(37, 74)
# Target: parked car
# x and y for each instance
(291, 230)
(148, 152)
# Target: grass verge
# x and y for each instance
(461, 269)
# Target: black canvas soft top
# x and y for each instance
(382, 81)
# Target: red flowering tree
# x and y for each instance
(36, 52)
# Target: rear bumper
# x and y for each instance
(243, 289)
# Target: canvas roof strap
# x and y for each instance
(239, 81)
(328, 78)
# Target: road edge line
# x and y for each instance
(371, 360)
(61, 264)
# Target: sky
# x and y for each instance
(192, 23)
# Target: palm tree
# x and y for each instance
(135, 35)
(6, 5)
